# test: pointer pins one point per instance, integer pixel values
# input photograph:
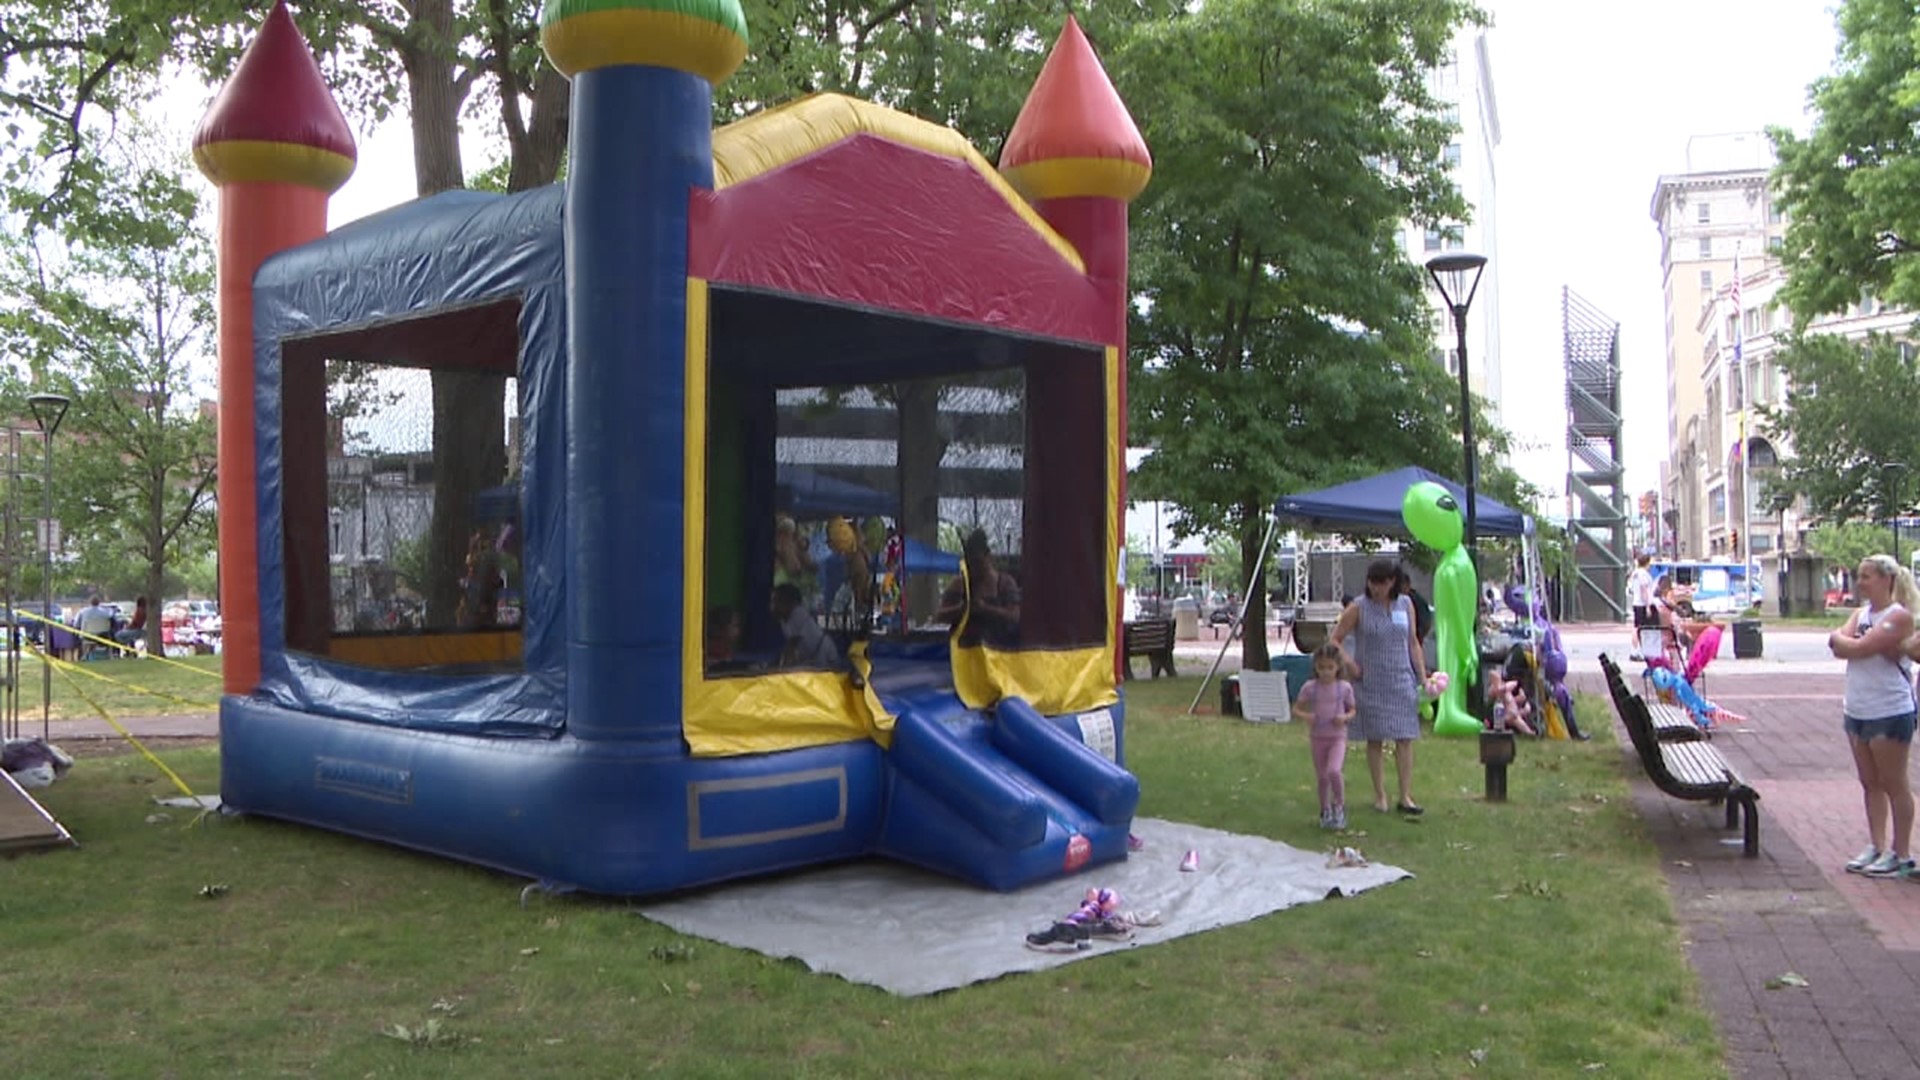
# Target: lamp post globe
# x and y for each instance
(1457, 275)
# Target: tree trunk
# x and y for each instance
(1253, 637)
(460, 442)
(921, 446)
(469, 408)
(536, 153)
(156, 587)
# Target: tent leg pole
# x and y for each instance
(1246, 600)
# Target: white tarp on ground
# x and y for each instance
(911, 932)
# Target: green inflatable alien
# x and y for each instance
(1432, 515)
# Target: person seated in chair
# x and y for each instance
(94, 621)
(1667, 615)
(136, 628)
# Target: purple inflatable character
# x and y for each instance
(1553, 658)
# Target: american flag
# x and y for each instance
(1739, 331)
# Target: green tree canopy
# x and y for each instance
(1849, 415)
(1281, 340)
(1847, 544)
(115, 319)
(1851, 186)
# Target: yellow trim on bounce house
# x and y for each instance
(749, 714)
(612, 37)
(765, 141)
(1056, 681)
(422, 650)
(240, 161)
(1068, 177)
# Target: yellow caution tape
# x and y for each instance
(128, 649)
(197, 706)
(67, 669)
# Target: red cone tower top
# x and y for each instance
(275, 119)
(1074, 136)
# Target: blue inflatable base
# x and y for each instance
(959, 793)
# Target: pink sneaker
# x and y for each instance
(1134, 843)
(1345, 858)
(1191, 862)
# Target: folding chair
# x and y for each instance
(100, 626)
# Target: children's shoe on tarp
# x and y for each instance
(1345, 857)
(1061, 937)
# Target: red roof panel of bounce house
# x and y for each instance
(839, 200)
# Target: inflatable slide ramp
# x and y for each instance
(1003, 797)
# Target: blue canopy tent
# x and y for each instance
(1372, 506)
(926, 559)
(806, 492)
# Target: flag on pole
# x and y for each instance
(1739, 331)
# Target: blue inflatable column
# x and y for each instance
(641, 141)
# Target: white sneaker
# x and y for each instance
(1859, 863)
(1889, 865)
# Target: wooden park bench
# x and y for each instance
(1688, 769)
(1671, 723)
(1153, 639)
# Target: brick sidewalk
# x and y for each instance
(1748, 921)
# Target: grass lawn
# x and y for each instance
(123, 687)
(1537, 940)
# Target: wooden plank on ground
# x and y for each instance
(25, 825)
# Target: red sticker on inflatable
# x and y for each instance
(1079, 850)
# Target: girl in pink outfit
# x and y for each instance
(1327, 703)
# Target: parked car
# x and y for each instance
(30, 616)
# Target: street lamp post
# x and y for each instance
(48, 411)
(1457, 275)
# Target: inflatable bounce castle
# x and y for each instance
(828, 297)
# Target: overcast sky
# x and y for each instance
(1596, 102)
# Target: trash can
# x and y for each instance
(1299, 671)
(1746, 639)
(1186, 619)
(1230, 696)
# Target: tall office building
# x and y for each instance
(1465, 84)
(1719, 207)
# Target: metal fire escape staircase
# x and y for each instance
(1596, 481)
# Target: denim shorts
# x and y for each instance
(1898, 727)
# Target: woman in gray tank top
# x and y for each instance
(1879, 712)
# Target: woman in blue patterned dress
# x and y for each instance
(1387, 667)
